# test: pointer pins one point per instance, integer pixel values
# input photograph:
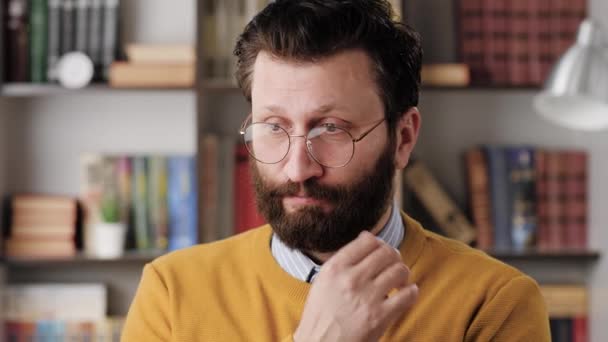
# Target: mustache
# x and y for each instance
(309, 187)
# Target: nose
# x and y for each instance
(299, 165)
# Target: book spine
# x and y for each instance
(210, 176)
(540, 168)
(67, 26)
(580, 329)
(545, 37)
(245, 210)
(520, 168)
(182, 201)
(124, 181)
(479, 197)
(533, 42)
(499, 192)
(17, 42)
(518, 25)
(444, 211)
(110, 36)
(140, 203)
(95, 38)
(82, 25)
(554, 201)
(575, 199)
(471, 39)
(38, 40)
(158, 201)
(53, 37)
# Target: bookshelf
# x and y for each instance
(44, 128)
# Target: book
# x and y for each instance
(446, 75)
(94, 40)
(38, 40)
(16, 48)
(57, 301)
(160, 53)
(67, 26)
(139, 193)
(522, 196)
(183, 203)
(81, 25)
(245, 210)
(499, 196)
(450, 219)
(128, 75)
(157, 195)
(479, 197)
(53, 38)
(109, 39)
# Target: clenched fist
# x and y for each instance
(349, 300)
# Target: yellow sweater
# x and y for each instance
(234, 290)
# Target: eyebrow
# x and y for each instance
(323, 109)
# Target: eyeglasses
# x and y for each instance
(328, 144)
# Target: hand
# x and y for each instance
(349, 299)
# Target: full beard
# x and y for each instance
(355, 207)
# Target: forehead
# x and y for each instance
(342, 83)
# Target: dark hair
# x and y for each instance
(309, 30)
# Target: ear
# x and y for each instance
(408, 127)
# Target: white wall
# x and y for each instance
(51, 133)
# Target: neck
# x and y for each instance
(321, 258)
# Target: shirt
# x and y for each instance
(300, 266)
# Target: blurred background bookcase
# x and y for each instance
(44, 129)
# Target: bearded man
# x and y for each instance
(333, 87)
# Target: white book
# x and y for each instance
(56, 301)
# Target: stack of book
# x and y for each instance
(155, 195)
(39, 32)
(525, 197)
(155, 66)
(41, 226)
(516, 42)
(568, 312)
(59, 312)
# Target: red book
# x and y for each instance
(549, 200)
(575, 199)
(580, 329)
(246, 214)
(533, 42)
(471, 40)
(518, 27)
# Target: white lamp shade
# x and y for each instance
(576, 93)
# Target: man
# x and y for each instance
(333, 87)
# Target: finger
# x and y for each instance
(394, 277)
(376, 262)
(400, 302)
(355, 250)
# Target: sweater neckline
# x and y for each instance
(282, 283)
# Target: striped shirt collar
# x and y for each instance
(298, 265)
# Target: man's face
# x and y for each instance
(311, 207)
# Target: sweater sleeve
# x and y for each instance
(516, 313)
(148, 316)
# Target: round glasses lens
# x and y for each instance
(330, 145)
(267, 143)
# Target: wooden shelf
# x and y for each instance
(30, 89)
(582, 256)
(228, 85)
(128, 257)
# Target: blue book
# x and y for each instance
(499, 196)
(522, 196)
(182, 202)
